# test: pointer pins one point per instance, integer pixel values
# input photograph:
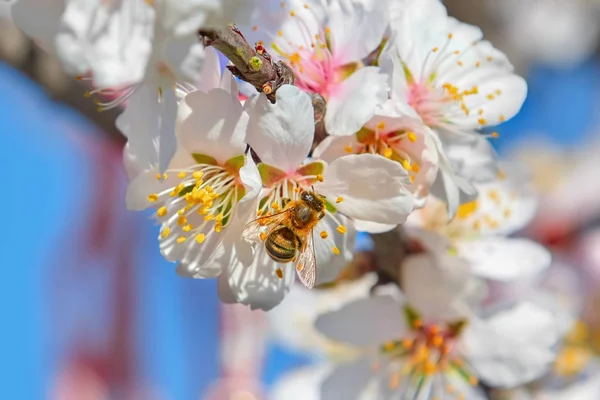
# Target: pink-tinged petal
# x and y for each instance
(353, 323)
(354, 101)
(282, 133)
(167, 116)
(215, 127)
(258, 285)
(504, 259)
(371, 188)
(439, 288)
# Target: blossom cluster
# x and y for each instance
(254, 186)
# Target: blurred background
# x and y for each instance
(92, 311)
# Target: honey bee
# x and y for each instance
(289, 234)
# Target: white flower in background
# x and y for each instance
(325, 43)
(456, 82)
(365, 187)
(209, 189)
(562, 33)
(417, 349)
(292, 322)
(477, 232)
(398, 135)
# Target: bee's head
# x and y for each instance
(313, 199)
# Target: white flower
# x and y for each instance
(208, 192)
(325, 43)
(365, 187)
(419, 351)
(476, 234)
(457, 82)
(292, 322)
(396, 134)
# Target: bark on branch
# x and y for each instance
(252, 64)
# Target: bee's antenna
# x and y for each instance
(312, 188)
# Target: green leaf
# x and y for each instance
(270, 175)
(411, 315)
(204, 159)
(313, 168)
(234, 164)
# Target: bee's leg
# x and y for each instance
(285, 201)
(321, 214)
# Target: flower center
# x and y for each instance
(311, 57)
(202, 201)
(390, 144)
(427, 352)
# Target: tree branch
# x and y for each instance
(251, 64)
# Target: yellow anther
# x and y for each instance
(494, 196)
(181, 175)
(158, 176)
(197, 174)
(406, 165)
(152, 197)
(200, 238)
(389, 346)
(306, 6)
(477, 225)
(473, 380)
(161, 212)
(491, 96)
(339, 199)
(176, 190)
(411, 137)
(435, 49)
(429, 368)
(507, 213)
(263, 236)
(279, 273)
(478, 64)
(348, 149)
(481, 121)
(388, 152)
(188, 228)
(320, 178)
(182, 220)
(218, 228)
(164, 176)
(456, 51)
(165, 232)
(341, 229)
(381, 126)
(292, 13)
(437, 340)
(495, 135)
(407, 343)
(275, 205)
(87, 94)
(480, 111)
(498, 92)
(181, 239)
(209, 217)
(324, 234)
(434, 329)
(219, 218)
(490, 58)
(417, 323)
(412, 179)
(450, 36)
(502, 118)
(335, 250)
(279, 33)
(466, 209)
(415, 167)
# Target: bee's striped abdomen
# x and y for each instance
(281, 245)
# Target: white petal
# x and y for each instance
(167, 116)
(504, 259)
(301, 384)
(333, 147)
(216, 125)
(354, 322)
(329, 265)
(442, 293)
(512, 347)
(354, 101)
(372, 227)
(348, 381)
(39, 20)
(372, 187)
(258, 285)
(185, 57)
(210, 76)
(282, 133)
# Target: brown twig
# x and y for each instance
(251, 64)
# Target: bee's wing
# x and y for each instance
(253, 229)
(306, 262)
